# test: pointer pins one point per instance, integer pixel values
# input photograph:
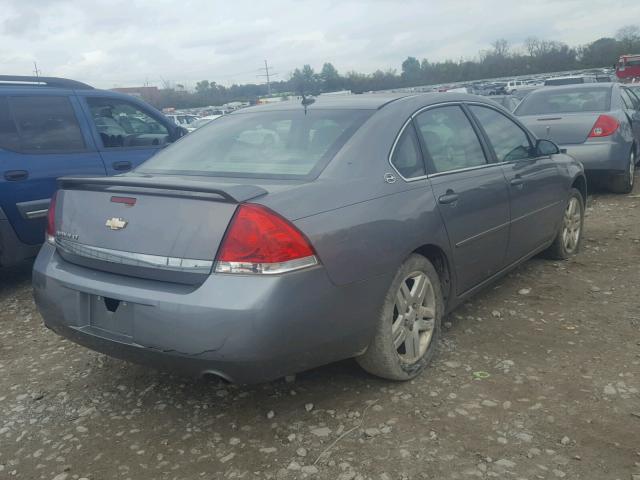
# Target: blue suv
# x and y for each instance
(50, 127)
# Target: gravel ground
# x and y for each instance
(538, 377)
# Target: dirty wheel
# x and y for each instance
(567, 241)
(624, 183)
(409, 325)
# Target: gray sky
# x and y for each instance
(127, 42)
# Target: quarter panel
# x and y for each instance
(374, 237)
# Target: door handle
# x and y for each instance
(16, 175)
(448, 198)
(517, 181)
(121, 166)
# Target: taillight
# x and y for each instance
(51, 220)
(605, 126)
(259, 240)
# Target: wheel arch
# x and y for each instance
(580, 184)
(438, 257)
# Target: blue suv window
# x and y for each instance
(9, 139)
(46, 124)
(122, 124)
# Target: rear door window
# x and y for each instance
(449, 139)
(406, 156)
(9, 139)
(270, 144)
(121, 124)
(508, 140)
(46, 124)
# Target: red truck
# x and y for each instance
(628, 68)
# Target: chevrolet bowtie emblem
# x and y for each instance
(115, 223)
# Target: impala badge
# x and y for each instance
(115, 223)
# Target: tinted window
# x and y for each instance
(122, 124)
(406, 156)
(449, 139)
(46, 124)
(8, 133)
(566, 100)
(509, 141)
(288, 144)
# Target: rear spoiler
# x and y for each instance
(229, 193)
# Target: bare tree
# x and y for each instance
(501, 47)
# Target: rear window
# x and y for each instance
(46, 124)
(566, 100)
(282, 144)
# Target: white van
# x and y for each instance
(514, 85)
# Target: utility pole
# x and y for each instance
(268, 75)
(36, 72)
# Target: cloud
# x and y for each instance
(125, 43)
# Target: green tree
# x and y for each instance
(331, 80)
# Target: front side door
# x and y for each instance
(126, 134)
(40, 139)
(536, 189)
(472, 194)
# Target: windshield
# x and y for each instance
(566, 100)
(280, 144)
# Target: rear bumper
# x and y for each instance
(601, 157)
(246, 329)
(12, 250)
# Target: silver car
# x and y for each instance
(284, 237)
(597, 124)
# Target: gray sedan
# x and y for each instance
(288, 236)
(598, 124)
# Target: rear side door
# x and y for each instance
(126, 132)
(631, 104)
(41, 138)
(536, 189)
(472, 194)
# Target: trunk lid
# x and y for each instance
(562, 128)
(158, 228)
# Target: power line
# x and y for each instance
(268, 75)
(36, 72)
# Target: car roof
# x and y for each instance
(370, 101)
(573, 86)
(367, 101)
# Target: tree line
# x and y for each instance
(536, 57)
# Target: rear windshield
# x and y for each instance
(566, 100)
(564, 81)
(271, 144)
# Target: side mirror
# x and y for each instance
(546, 148)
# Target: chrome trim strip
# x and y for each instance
(481, 234)
(493, 229)
(36, 213)
(466, 169)
(175, 264)
(535, 211)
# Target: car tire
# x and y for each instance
(624, 183)
(569, 236)
(409, 324)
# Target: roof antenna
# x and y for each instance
(306, 101)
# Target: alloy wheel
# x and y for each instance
(572, 225)
(414, 316)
